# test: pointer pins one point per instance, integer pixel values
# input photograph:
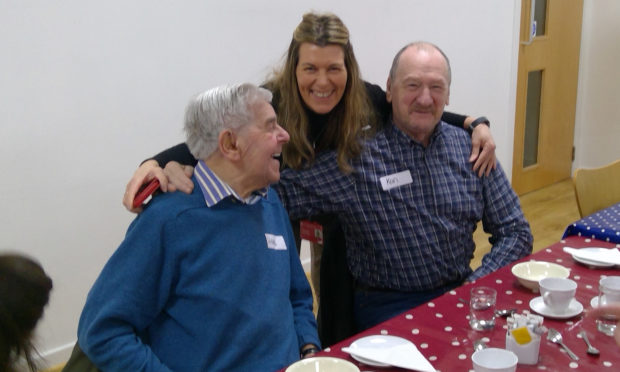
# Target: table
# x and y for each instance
(602, 225)
(441, 331)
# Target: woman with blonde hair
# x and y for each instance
(317, 122)
(323, 103)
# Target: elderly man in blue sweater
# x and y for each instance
(209, 281)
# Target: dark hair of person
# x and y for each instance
(346, 120)
(24, 292)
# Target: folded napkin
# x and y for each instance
(598, 255)
(404, 355)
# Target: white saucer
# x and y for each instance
(594, 301)
(376, 341)
(591, 263)
(538, 305)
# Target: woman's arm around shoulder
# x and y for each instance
(482, 142)
(178, 162)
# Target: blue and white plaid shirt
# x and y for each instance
(417, 236)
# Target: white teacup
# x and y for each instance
(609, 290)
(494, 360)
(557, 293)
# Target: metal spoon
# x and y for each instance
(505, 312)
(479, 345)
(556, 337)
(591, 349)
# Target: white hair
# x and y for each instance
(223, 107)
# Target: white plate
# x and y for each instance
(368, 362)
(379, 342)
(590, 262)
(538, 305)
(389, 351)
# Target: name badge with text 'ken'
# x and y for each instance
(395, 180)
(275, 242)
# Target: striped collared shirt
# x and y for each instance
(215, 190)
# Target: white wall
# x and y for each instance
(597, 128)
(88, 89)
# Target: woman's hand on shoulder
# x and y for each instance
(144, 174)
(483, 150)
(172, 178)
(179, 177)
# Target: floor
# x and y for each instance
(548, 211)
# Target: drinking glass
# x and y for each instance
(609, 293)
(482, 308)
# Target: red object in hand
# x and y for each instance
(145, 191)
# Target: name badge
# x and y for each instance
(396, 180)
(275, 242)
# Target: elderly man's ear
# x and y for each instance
(388, 90)
(227, 142)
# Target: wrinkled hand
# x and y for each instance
(599, 312)
(179, 177)
(483, 150)
(145, 173)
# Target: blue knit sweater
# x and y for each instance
(193, 288)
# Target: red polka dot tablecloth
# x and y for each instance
(602, 225)
(441, 331)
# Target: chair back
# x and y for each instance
(597, 188)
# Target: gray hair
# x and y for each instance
(223, 107)
(420, 45)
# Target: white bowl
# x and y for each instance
(323, 364)
(529, 273)
(494, 360)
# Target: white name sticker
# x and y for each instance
(275, 242)
(396, 180)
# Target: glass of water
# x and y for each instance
(482, 308)
(609, 294)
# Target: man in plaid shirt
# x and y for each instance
(412, 202)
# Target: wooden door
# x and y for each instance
(546, 93)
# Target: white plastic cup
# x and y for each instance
(609, 290)
(557, 293)
(494, 360)
(526, 354)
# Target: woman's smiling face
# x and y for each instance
(321, 76)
